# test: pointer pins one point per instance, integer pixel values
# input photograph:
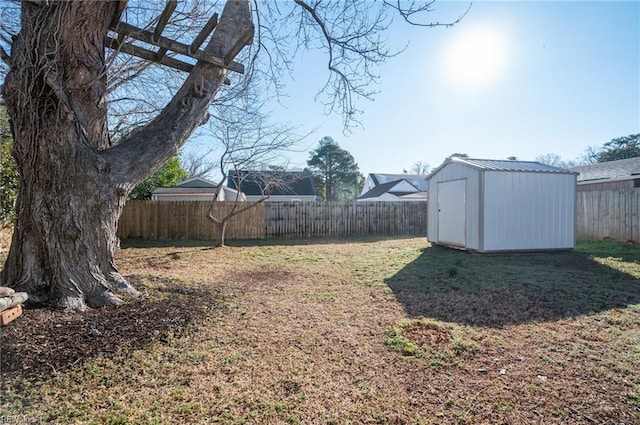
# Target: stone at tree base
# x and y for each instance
(10, 314)
(12, 300)
(6, 292)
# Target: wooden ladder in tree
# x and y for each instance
(166, 45)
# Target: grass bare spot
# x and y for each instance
(428, 334)
(442, 344)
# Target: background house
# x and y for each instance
(275, 185)
(495, 205)
(620, 174)
(397, 190)
(394, 187)
(196, 189)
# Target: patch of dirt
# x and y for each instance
(427, 335)
(45, 341)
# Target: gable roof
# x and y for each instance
(388, 188)
(185, 190)
(418, 180)
(200, 189)
(196, 182)
(622, 169)
(285, 183)
(503, 165)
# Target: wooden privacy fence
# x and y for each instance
(611, 214)
(188, 220)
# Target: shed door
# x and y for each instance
(452, 212)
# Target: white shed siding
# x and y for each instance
(528, 211)
(450, 172)
(510, 205)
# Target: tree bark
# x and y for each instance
(73, 182)
(223, 231)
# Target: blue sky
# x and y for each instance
(512, 79)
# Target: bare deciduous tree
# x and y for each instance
(249, 144)
(420, 167)
(63, 89)
(74, 182)
(350, 33)
(556, 161)
(197, 164)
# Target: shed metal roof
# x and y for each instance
(503, 165)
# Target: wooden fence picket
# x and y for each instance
(187, 220)
(599, 214)
(608, 214)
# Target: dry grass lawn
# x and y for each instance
(365, 331)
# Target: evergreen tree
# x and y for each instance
(336, 174)
(620, 148)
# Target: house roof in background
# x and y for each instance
(503, 165)
(398, 176)
(622, 169)
(418, 180)
(186, 190)
(388, 188)
(192, 190)
(287, 183)
(197, 182)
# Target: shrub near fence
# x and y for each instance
(188, 220)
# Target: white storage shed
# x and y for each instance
(501, 205)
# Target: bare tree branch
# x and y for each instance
(196, 164)
(413, 8)
(249, 143)
(351, 33)
(352, 36)
(5, 56)
(141, 152)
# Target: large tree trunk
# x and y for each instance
(68, 205)
(73, 183)
(65, 237)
